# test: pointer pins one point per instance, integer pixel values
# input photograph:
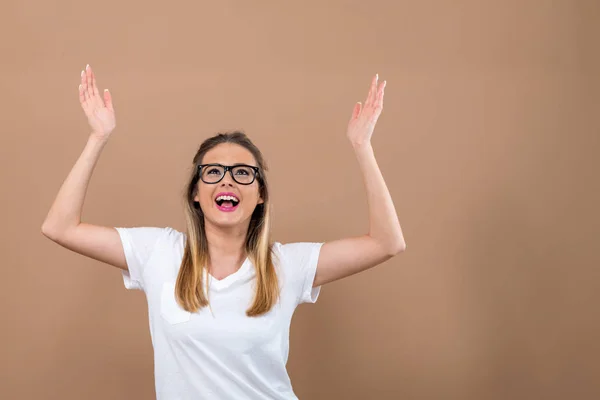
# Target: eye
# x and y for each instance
(214, 171)
(242, 170)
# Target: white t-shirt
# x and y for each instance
(227, 355)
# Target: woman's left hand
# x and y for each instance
(364, 118)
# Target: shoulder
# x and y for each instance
(298, 264)
(149, 237)
(171, 237)
(293, 248)
(169, 233)
(296, 253)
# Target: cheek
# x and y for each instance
(251, 198)
(206, 201)
(204, 196)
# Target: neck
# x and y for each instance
(226, 247)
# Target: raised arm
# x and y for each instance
(348, 256)
(63, 223)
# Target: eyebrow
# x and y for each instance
(234, 165)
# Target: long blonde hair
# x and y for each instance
(189, 289)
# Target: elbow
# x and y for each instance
(397, 248)
(391, 247)
(56, 232)
(49, 231)
(46, 231)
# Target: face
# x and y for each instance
(207, 194)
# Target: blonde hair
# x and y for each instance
(190, 288)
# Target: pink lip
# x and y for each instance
(227, 209)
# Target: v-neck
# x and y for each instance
(229, 279)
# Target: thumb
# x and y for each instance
(108, 100)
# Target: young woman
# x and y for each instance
(221, 296)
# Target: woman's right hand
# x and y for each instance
(97, 107)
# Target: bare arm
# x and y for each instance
(344, 257)
(63, 223)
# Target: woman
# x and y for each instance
(221, 296)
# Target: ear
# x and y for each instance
(260, 200)
(196, 195)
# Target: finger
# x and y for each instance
(84, 87)
(380, 94)
(81, 95)
(108, 100)
(90, 81)
(372, 91)
(93, 81)
(96, 98)
(356, 110)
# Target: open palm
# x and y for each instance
(362, 123)
(98, 108)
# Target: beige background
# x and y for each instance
(489, 144)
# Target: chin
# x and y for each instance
(225, 218)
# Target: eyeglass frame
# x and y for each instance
(230, 169)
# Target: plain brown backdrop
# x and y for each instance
(489, 143)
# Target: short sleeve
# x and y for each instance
(138, 245)
(300, 263)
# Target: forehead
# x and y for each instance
(229, 154)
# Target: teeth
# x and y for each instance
(230, 198)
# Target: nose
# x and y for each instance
(227, 179)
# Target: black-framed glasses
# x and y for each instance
(241, 173)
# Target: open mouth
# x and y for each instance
(227, 203)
